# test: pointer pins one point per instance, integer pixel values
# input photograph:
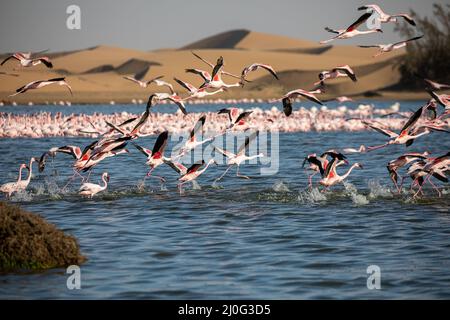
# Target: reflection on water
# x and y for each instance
(267, 237)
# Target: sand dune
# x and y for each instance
(96, 73)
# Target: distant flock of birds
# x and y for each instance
(422, 167)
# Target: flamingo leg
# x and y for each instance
(435, 187)
(399, 188)
(420, 187)
(240, 175)
(220, 178)
(310, 179)
(377, 147)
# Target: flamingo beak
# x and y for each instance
(346, 161)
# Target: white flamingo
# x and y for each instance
(383, 48)
(42, 83)
(383, 17)
(91, 189)
(352, 30)
(239, 157)
(26, 59)
(197, 93)
(12, 187)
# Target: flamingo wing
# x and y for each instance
(348, 71)
(247, 141)
(358, 22)
(145, 151)
(161, 142)
(186, 85)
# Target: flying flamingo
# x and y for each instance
(91, 189)
(155, 157)
(26, 59)
(435, 86)
(239, 157)
(12, 187)
(193, 142)
(197, 93)
(352, 30)
(254, 67)
(174, 98)
(219, 70)
(137, 78)
(310, 95)
(383, 48)
(407, 134)
(42, 83)
(287, 106)
(338, 72)
(383, 17)
(193, 172)
(236, 118)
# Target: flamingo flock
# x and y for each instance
(112, 134)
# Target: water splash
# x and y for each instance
(377, 190)
(352, 191)
(280, 186)
(312, 196)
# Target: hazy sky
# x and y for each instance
(152, 24)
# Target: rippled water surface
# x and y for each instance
(267, 237)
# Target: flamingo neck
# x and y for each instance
(30, 172)
(349, 171)
(105, 183)
(20, 175)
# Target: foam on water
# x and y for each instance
(377, 190)
(312, 196)
(357, 199)
(280, 186)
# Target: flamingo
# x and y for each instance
(352, 30)
(344, 99)
(402, 161)
(12, 187)
(436, 167)
(91, 189)
(219, 70)
(407, 134)
(137, 78)
(150, 103)
(197, 93)
(330, 176)
(384, 17)
(42, 83)
(193, 142)
(239, 157)
(174, 98)
(338, 72)
(435, 86)
(155, 157)
(193, 172)
(234, 116)
(362, 148)
(310, 95)
(254, 67)
(320, 163)
(26, 59)
(23, 184)
(383, 48)
(287, 106)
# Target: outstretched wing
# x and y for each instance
(247, 141)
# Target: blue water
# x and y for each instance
(267, 237)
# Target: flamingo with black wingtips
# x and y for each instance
(352, 30)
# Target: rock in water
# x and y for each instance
(28, 241)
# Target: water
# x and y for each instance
(267, 237)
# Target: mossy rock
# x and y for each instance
(28, 241)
